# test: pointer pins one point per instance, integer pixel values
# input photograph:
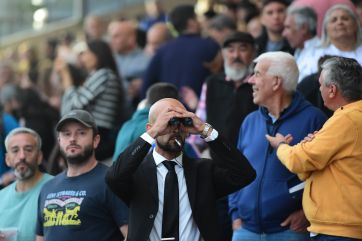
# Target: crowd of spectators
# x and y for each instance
(214, 64)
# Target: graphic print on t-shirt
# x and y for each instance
(62, 208)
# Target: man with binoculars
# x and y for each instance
(172, 196)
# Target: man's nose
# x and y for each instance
(21, 155)
(73, 136)
(234, 54)
(251, 80)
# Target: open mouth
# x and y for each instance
(21, 167)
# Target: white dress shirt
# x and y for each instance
(305, 58)
(188, 229)
(308, 63)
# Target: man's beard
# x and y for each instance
(235, 74)
(30, 171)
(80, 158)
(171, 147)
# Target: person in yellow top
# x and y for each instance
(331, 160)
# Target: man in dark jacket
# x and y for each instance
(141, 178)
(187, 60)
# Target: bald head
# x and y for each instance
(123, 36)
(94, 27)
(162, 105)
(156, 36)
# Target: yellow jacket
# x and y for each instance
(332, 165)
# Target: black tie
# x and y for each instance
(170, 217)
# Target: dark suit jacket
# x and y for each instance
(134, 179)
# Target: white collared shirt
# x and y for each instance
(188, 229)
(305, 58)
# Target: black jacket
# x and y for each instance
(133, 178)
(227, 106)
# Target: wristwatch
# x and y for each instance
(206, 129)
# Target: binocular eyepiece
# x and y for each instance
(175, 121)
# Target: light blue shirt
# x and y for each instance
(132, 65)
(18, 210)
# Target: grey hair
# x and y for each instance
(326, 41)
(304, 16)
(23, 130)
(222, 22)
(283, 65)
(346, 74)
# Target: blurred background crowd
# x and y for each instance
(106, 60)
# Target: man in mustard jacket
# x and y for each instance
(331, 160)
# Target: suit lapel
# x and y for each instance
(190, 171)
(150, 173)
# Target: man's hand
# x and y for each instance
(7, 178)
(189, 97)
(160, 125)
(278, 139)
(8, 234)
(296, 221)
(237, 223)
(309, 137)
(2, 236)
(198, 125)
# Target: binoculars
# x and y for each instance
(175, 121)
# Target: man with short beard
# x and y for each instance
(227, 97)
(19, 200)
(77, 204)
(172, 196)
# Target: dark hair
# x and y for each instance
(78, 75)
(159, 91)
(180, 15)
(251, 9)
(357, 3)
(141, 37)
(267, 2)
(52, 44)
(104, 55)
(346, 74)
(210, 13)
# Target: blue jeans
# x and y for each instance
(323, 237)
(287, 235)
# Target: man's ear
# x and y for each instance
(148, 126)
(40, 157)
(96, 141)
(277, 83)
(304, 29)
(332, 92)
(7, 161)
